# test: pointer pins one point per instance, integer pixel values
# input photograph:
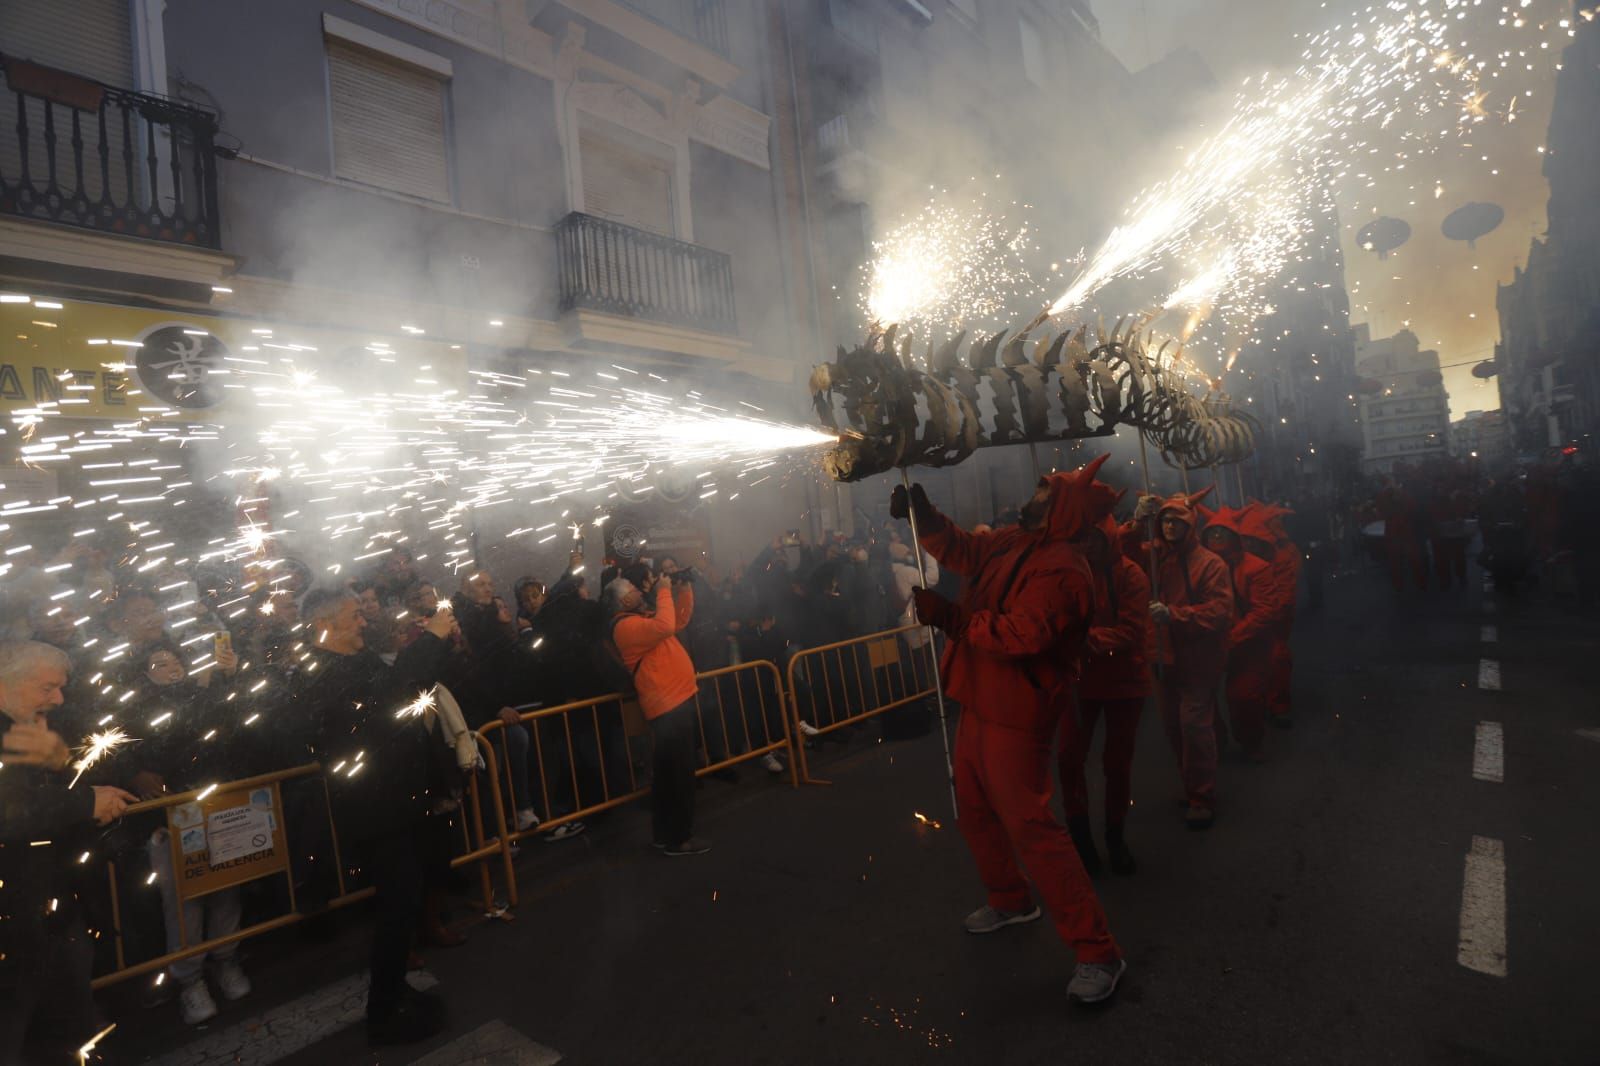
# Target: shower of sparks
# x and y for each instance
(424, 703)
(949, 267)
(1401, 80)
(99, 746)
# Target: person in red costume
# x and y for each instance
(1402, 536)
(1266, 537)
(1114, 684)
(1249, 674)
(1193, 612)
(1014, 640)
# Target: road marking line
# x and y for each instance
(1482, 946)
(1489, 752)
(1589, 734)
(1489, 675)
(493, 1042)
(1490, 635)
(262, 1039)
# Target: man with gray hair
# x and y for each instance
(46, 1010)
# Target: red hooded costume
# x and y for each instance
(1264, 523)
(1250, 640)
(1195, 586)
(1014, 643)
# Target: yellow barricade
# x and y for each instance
(836, 685)
(242, 824)
(583, 757)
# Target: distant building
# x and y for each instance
(1549, 352)
(1482, 435)
(1406, 416)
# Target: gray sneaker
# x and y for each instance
(1094, 982)
(987, 919)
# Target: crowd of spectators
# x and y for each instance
(219, 673)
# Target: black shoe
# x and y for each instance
(420, 1016)
(1282, 721)
(1122, 863)
(727, 775)
(1083, 840)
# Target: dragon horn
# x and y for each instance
(1013, 354)
(944, 360)
(982, 356)
(1052, 355)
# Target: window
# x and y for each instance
(389, 126)
(1033, 64)
(625, 180)
(95, 40)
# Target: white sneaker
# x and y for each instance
(231, 980)
(564, 831)
(196, 1004)
(770, 764)
(527, 819)
(808, 729)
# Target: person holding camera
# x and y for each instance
(663, 675)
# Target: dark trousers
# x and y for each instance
(395, 866)
(1077, 736)
(53, 1000)
(672, 786)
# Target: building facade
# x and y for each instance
(439, 190)
(1483, 437)
(1548, 358)
(1405, 411)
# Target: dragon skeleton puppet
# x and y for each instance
(890, 412)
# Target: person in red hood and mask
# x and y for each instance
(1249, 675)
(1116, 680)
(1266, 537)
(1193, 611)
(1014, 641)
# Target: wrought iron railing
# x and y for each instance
(607, 266)
(705, 21)
(81, 153)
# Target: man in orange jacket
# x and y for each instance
(1114, 684)
(663, 675)
(1014, 640)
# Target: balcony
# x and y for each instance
(705, 21)
(102, 158)
(609, 267)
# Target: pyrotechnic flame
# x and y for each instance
(925, 820)
(99, 746)
(421, 705)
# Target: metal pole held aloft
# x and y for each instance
(938, 682)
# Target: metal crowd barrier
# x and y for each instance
(261, 832)
(581, 755)
(837, 685)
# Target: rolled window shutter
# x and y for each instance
(388, 123)
(626, 184)
(92, 38)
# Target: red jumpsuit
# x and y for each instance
(1193, 648)
(1250, 640)
(1264, 526)
(1115, 681)
(1402, 547)
(1026, 610)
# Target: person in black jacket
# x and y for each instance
(46, 1009)
(367, 725)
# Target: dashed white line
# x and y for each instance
(1482, 944)
(1489, 753)
(1490, 635)
(1489, 675)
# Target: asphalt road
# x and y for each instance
(1320, 921)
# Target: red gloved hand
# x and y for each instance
(934, 610)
